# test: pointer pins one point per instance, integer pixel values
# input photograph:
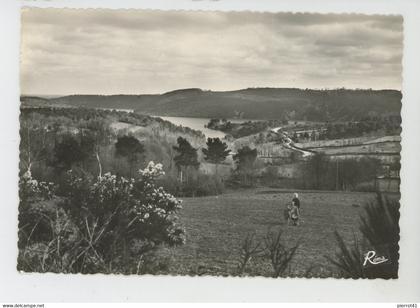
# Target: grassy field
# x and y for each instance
(217, 225)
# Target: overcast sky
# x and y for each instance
(79, 51)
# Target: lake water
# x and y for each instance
(199, 124)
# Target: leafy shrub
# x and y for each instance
(31, 189)
(129, 146)
(44, 229)
(70, 150)
(32, 212)
(104, 224)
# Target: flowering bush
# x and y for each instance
(30, 188)
(34, 209)
(118, 220)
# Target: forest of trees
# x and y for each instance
(238, 130)
(384, 125)
(273, 103)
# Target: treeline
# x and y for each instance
(378, 125)
(238, 130)
(387, 125)
(318, 173)
(323, 173)
(73, 116)
(273, 103)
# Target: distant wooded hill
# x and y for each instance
(251, 103)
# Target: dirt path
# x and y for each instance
(289, 143)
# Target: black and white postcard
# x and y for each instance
(246, 144)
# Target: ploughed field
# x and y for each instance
(216, 226)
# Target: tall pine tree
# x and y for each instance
(186, 157)
(216, 151)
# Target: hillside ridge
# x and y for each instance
(251, 103)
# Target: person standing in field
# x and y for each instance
(294, 214)
(294, 211)
(296, 200)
